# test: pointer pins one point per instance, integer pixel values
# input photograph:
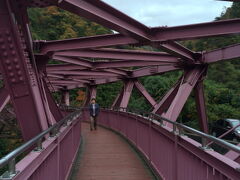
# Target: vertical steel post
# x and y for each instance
(201, 107)
(19, 75)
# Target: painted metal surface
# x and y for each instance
(172, 156)
(55, 157)
(25, 74)
(19, 76)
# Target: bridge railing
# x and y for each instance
(172, 154)
(179, 129)
(30, 167)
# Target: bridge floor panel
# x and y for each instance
(107, 156)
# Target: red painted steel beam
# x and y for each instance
(153, 70)
(84, 72)
(66, 67)
(167, 99)
(55, 111)
(194, 31)
(75, 86)
(105, 77)
(144, 92)
(64, 82)
(201, 107)
(105, 64)
(106, 80)
(117, 100)
(19, 75)
(117, 71)
(65, 97)
(120, 55)
(161, 34)
(107, 16)
(124, 63)
(76, 61)
(84, 43)
(190, 79)
(177, 50)
(91, 93)
(148, 71)
(102, 13)
(106, 41)
(127, 91)
(136, 74)
(226, 53)
(70, 79)
(89, 77)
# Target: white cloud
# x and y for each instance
(171, 13)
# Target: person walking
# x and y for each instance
(94, 111)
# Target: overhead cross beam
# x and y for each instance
(80, 64)
(76, 61)
(102, 13)
(119, 55)
(84, 43)
(226, 53)
(195, 31)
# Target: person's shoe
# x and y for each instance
(95, 128)
(91, 129)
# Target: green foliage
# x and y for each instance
(53, 23)
(106, 93)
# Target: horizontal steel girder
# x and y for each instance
(103, 64)
(194, 31)
(102, 13)
(161, 34)
(85, 72)
(120, 55)
(226, 53)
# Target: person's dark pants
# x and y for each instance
(93, 122)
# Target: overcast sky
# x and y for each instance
(170, 12)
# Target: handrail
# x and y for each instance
(10, 158)
(205, 137)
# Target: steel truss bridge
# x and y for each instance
(56, 135)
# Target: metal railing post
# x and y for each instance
(174, 129)
(180, 131)
(39, 145)
(12, 167)
(205, 144)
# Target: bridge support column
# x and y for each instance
(91, 93)
(117, 100)
(167, 99)
(177, 96)
(17, 65)
(123, 98)
(201, 109)
(127, 91)
(65, 97)
(189, 81)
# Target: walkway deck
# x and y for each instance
(106, 156)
